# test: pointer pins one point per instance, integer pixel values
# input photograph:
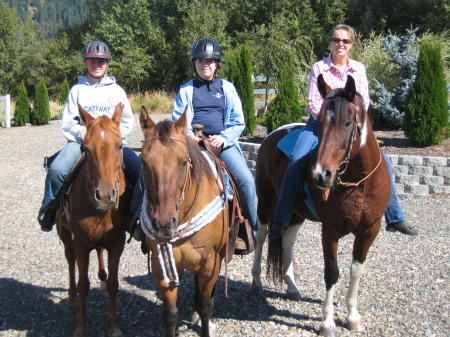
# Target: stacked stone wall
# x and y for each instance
(415, 176)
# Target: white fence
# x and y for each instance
(7, 108)
(261, 91)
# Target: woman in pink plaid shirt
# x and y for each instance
(334, 70)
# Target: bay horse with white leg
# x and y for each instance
(94, 214)
(184, 217)
(350, 187)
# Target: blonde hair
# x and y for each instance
(349, 29)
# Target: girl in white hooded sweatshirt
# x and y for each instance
(99, 95)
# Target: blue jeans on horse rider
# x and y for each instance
(232, 157)
(64, 162)
(293, 178)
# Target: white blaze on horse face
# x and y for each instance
(364, 134)
(330, 115)
(102, 134)
(318, 170)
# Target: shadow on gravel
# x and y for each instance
(39, 311)
(240, 304)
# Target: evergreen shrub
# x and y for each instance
(65, 88)
(239, 72)
(41, 110)
(22, 109)
(388, 100)
(286, 107)
(426, 117)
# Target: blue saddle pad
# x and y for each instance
(287, 144)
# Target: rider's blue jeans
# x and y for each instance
(232, 157)
(394, 211)
(294, 172)
(65, 160)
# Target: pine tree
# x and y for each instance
(389, 106)
(426, 119)
(240, 73)
(22, 109)
(286, 107)
(65, 88)
(41, 110)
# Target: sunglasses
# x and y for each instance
(344, 41)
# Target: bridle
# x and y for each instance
(89, 181)
(187, 182)
(357, 127)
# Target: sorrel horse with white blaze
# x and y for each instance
(94, 214)
(184, 217)
(350, 187)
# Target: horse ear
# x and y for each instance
(323, 87)
(181, 124)
(350, 88)
(144, 119)
(117, 116)
(85, 116)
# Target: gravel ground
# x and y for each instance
(405, 290)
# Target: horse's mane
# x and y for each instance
(199, 164)
(337, 101)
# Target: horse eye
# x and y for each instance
(120, 147)
(185, 162)
(347, 124)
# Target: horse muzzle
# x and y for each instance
(105, 198)
(165, 230)
(323, 178)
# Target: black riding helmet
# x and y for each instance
(96, 50)
(206, 49)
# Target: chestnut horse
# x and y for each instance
(94, 214)
(184, 217)
(350, 186)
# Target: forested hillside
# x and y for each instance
(150, 39)
(50, 15)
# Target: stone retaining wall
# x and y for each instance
(415, 176)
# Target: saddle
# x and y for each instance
(241, 240)
(58, 203)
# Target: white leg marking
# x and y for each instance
(260, 237)
(351, 301)
(289, 237)
(328, 309)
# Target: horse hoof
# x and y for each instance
(357, 325)
(295, 296)
(212, 329)
(71, 307)
(257, 290)
(116, 333)
(195, 319)
(328, 331)
(70, 310)
(80, 332)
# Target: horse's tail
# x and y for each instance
(274, 268)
